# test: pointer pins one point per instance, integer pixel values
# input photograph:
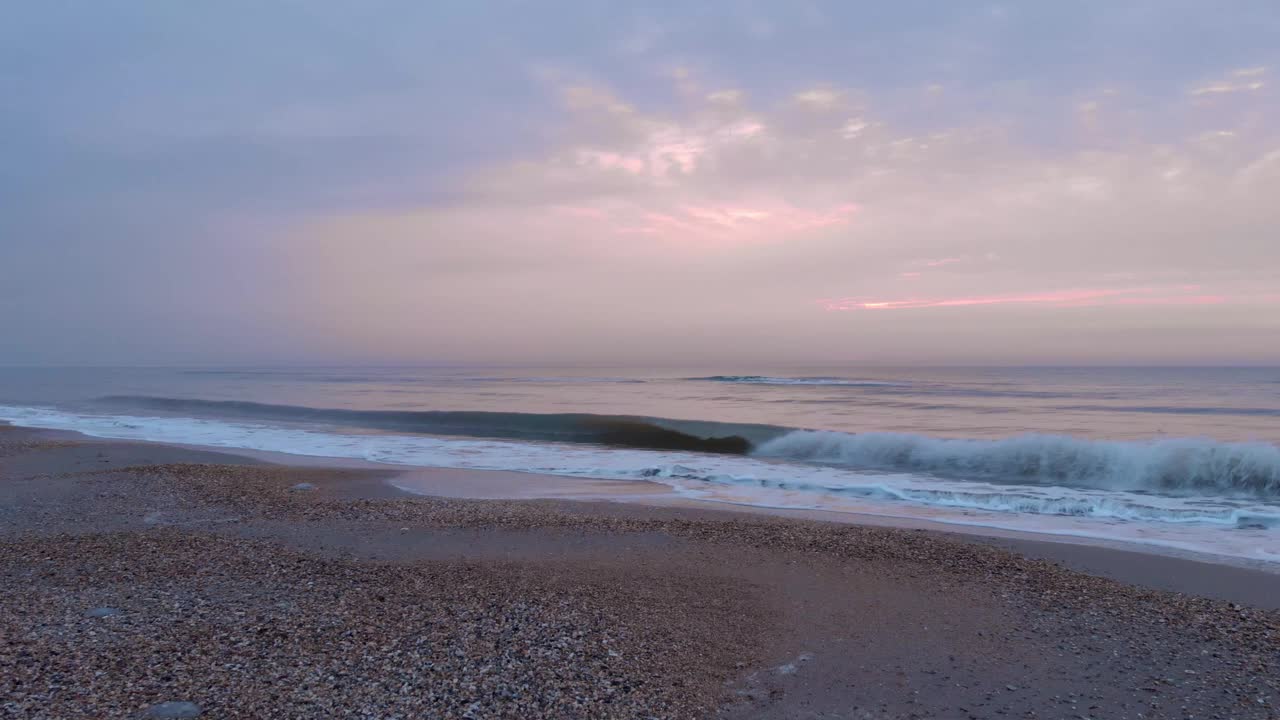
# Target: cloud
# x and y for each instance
(1090, 297)
(726, 97)
(397, 182)
(662, 177)
(852, 209)
(1221, 88)
(1237, 81)
(853, 128)
(818, 98)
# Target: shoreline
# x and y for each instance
(481, 484)
(1214, 527)
(133, 574)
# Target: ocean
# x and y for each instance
(1183, 458)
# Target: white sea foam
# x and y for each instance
(1190, 465)
(1244, 527)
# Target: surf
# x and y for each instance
(1175, 466)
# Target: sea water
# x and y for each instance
(1184, 458)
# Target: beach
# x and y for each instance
(1181, 461)
(140, 574)
(650, 361)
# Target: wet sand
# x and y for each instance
(223, 582)
(1236, 579)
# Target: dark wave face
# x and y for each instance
(613, 430)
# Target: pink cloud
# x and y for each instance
(941, 262)
(1179, 295)
(683, 154)
(744, 130)
(664, 154)
(734, 218)
(613, 161)
(757, 221)
(1184, 300)
(583, 212)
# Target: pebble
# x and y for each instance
(101, 612)
(174, 709)
(374, 640)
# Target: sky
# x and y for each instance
(676, 183)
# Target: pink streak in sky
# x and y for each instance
(583, 212)
(712, 223)
(1181, 295)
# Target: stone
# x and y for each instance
(303, 486)
(174, 709)
(101, 612)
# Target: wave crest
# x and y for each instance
(1181, 465)
(614, 430)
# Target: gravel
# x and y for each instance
(248, 628)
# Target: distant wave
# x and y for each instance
(1179, 466)
(1178, 410)
(302, 376)
(239, 372)
(568, 380)
(305, 375)
(614, 430)
(768, 380)
(907, 388)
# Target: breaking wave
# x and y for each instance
(1181, 467)
(1034, 483)
(1178, 466)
